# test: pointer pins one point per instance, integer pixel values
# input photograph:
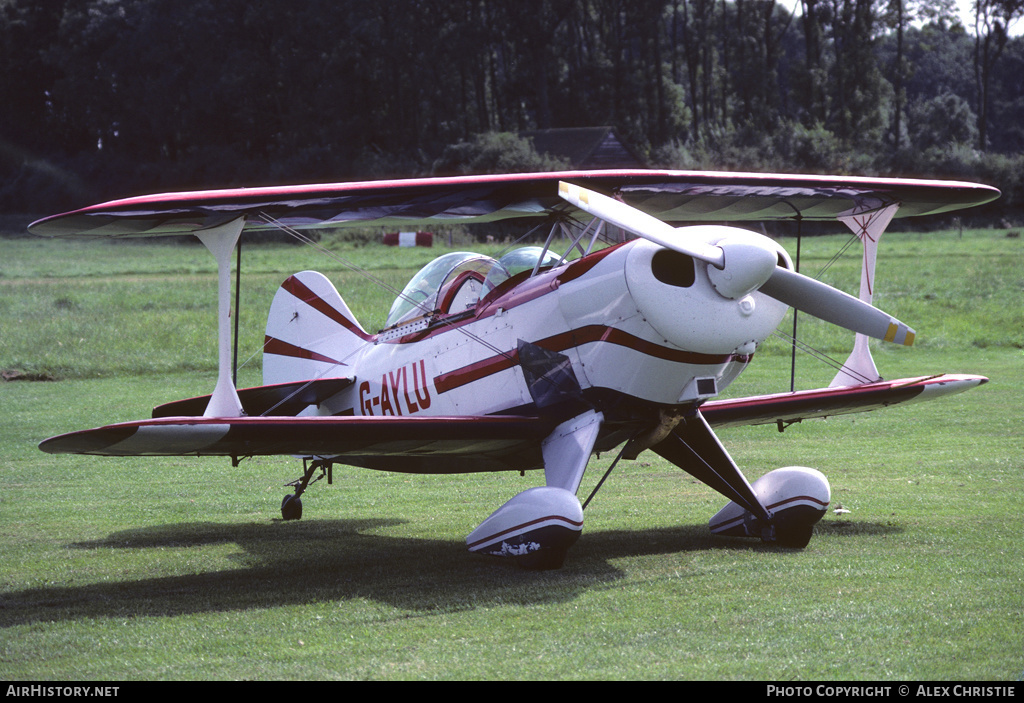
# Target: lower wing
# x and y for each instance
(786, 408)
(443, 444)
(405, 444)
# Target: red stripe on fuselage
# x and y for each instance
(575, 338)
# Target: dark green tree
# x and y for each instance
(992, 20)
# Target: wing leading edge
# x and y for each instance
(675, 196)
(403, 444)
(785, 408)
(454, 444)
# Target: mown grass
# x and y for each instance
(178, 568)
(89, 309)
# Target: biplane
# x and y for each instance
(539, 358)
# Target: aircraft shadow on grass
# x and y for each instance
(329, 560)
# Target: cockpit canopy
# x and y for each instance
(455, 282)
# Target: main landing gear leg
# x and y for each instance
(798, 496)
(291, 506)
(537, 527)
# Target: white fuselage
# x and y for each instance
(627, 334)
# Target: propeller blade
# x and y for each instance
(639, 223)
(831, 305)
(795, 290)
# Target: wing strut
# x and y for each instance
(238, 308)
(860, 366)
(221, 240)
(796, 313)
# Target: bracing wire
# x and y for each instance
(820, 356)
(811, 351)
(837, 256)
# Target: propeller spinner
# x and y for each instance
(741, 262)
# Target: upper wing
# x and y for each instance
(784, 408)
(675, 196)
(406, 444)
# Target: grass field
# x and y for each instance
(179, 568)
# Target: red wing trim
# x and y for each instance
(825, 402)
(407, 444)
(669, 195)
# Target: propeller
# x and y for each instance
(740, 264)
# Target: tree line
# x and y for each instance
(105, 98)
